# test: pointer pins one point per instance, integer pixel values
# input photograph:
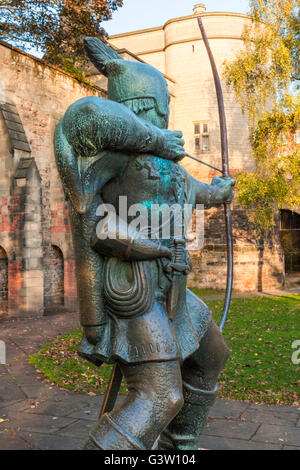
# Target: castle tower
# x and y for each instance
(199, 8)
(178, 51)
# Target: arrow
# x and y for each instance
(203, 163)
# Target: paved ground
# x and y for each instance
(38, 415)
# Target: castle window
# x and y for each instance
(205, 137)
(197, 129)
(205, 143)
(197, 136)
(201, 137)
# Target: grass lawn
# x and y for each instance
(207, 292)
(260, 332)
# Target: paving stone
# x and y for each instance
(80, 429)
(9, 390)
(91, 412)
(231, 429)
(17, 370)
(6, 403)
(33, 423)
(30, 342)
(88, 413)
(13, 443)
(41, 390)
(52, 442)
(275, 408)
(26, 380)
(291, 448)
(277, 417)
(60, 407)
(13, 354)
(289, 435)
(223, 443)
(228, 408)
(15, 406)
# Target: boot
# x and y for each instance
(108, 435)
(183, 433)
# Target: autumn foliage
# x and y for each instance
(265, 77)
(56, 27)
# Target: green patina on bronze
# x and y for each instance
(134, 305)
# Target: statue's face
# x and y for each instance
(164, 119)
(158, 116)
(155, 118)
(135, 80)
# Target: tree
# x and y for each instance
(263, 77)
(55, 27)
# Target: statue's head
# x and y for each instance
(137, 85)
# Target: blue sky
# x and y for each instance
(140, 14)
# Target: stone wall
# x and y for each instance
(258, 260)
(34, 214)
(3, 281)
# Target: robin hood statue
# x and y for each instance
(135, 309)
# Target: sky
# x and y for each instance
(140, 14)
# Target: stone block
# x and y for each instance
(231, 429)
(52, 442)
(289, 435)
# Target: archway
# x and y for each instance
(290, 241)
(3, 282)
(54, 278)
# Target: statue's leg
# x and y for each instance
(200, 372)
(154, 398)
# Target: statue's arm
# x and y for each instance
(212, 195)
(117, 239)
(94, 124)
(67, 166)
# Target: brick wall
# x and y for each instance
(60, 222)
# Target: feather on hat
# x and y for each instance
(100, 54)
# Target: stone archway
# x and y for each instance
(3, 282)
(54, 278)
(290, 240)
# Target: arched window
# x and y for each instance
(54, 278)
(3, 282)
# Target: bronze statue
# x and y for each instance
(135, 308)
